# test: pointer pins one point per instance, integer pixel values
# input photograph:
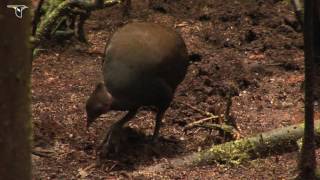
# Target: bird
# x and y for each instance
(143, 65)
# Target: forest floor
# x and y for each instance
(253, 49)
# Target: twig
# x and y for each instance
(209, 115)
(89, 167)
(112, 167)
(223, 127)
(227, 118)
(196, 109)
(196, 123)
(229, 127)
(42, 153)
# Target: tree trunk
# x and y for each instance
(307, 162)
(15, 69)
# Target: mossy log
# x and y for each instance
(50, 20)
(277, 141)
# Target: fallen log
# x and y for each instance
(50, 20)
(278, 141)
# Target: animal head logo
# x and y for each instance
(18, 9)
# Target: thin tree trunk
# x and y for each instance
(15, 69)
(307, 163)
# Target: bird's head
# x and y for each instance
(98, 103)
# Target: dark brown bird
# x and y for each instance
(144, 63)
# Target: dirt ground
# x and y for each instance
(253, 49)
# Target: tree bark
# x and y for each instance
(15, 69)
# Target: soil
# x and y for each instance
(252, 50)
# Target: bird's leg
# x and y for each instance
(112, 140)
(158, 124)
(167, 95)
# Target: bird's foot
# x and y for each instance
(111, 145)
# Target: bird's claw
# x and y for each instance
(111, 144)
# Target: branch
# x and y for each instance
(197, 123)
